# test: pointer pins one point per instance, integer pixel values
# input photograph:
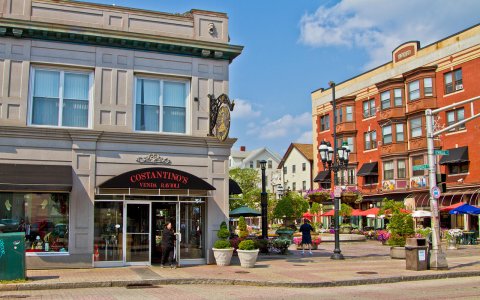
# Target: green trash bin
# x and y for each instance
(12, 256)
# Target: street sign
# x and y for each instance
(420, 167)
(337, 192)
(436, 192)
(441, 152)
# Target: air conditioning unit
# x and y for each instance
(459, 87)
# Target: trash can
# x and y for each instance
(12, 256)
(416, 254)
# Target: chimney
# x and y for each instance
(243, 148)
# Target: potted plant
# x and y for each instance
(400, 227)
(452, 236)
(289, 207)
(383, 236)
(222, 249)
(345, 228)
(242, 228)
(345, 212)
(281, 244)
(351, 195)
(247, 253)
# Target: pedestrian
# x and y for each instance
(168, 245)
(305, 229)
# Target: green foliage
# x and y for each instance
(248, 180)
(400, 225)
(292, 205)
(223, 233)
(222, 244)
(316, 207)
(242, 227)
(282, 244)
(247, 245)
(345, 210)
(262, 245)
(223, 225)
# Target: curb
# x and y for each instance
(206, 281)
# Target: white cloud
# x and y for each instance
(285, 126)
(379, 26)
(305, 138)
(243, 110)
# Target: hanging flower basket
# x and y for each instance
(319, 197)
(349, 197)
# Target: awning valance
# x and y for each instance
(368, 169)
(234, 188)
(323, 176)
(455, 156)
(41, 178)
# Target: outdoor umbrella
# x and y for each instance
(421, 214)
(465, 209)
(244, 211)
(330, 213)
(450, 207)
(308, 215)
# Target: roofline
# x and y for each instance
(289, 150)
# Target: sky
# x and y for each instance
(293, 47)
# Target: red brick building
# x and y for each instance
(381, 114)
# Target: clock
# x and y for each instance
(222, 126)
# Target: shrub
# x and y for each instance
(222, 244)
(281, 245)
(234, 242)
(242, 228)
(223, 225)
(223, 233)
(247, 245)
(262, 245)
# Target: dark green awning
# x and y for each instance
(455, 156)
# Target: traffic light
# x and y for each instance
(441, 182)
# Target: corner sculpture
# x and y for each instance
(220, 116)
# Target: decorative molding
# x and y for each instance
(154, 159)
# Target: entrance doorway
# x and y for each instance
(161, 214)
(137, 233)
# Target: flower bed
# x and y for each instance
(316, 240)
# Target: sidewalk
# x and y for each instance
(365, 263)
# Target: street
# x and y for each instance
(457, 288)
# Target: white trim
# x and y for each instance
(47, 253)
(453, 93)
(456, 132)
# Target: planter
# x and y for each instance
(247, 258)
(452, 244)
(223, 256)
(319, 198)
(345, 230)
(397, 252)
(349, 198)
(285, 233)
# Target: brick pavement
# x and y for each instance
(365, 263)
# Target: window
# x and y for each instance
(304, 166)
(454, 116)
(371, 180)
(284, 170)
(351, 144)
(388, 170)
(351, 176)
(416, 161)
(258, 164)
(324, 122)
(349, 113)
(370, 140)
(427, 87)
(339, 115)
(414, 90)
(293, 169)
(61, 98)
(41, 215)
(269, 164)
(387, 134)
(416, 127)
(453, 81)
(106, 216)
(401, 169)
(397, 94)
(385, 99)
(369, 108)
(294, 186)
(161, 106)
(251, 165)
(304, 185)
(458, 168)
(399, 134)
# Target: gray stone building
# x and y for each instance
(104, 122)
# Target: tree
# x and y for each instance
(345, 211)
(290, 206)
(248, 180)
(400, 225)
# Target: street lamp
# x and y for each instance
(333, 163)
(264, 203)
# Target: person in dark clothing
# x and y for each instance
(168, 245)
(305, 229)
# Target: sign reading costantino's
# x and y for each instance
(144, 179)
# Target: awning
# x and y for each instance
(330, 213)
(465, 209)
(368, 169)
(234, 188)
(323, 176)
(450, 207)
(356, 213)
(421, 214)
(372, 211)
(41, 178)
(455, 156)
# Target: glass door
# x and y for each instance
(137, 238)
(192, 229)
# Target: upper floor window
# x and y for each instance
(414, 90)
(304, 185)
(284, 170)
(399, 134)
(293, 168)
(416, 127)
(397, 94)
(324, 122)
(461, 168)
(369, 108)
(349, 113)
(61, 98)
(416, 161)
(427, 87)
(387, 134)
(385, 99)
(269, 164)
(294, 186)
(161, 105)
(388, 170)
(339, 115)
(304, 166)
(454, 116)
(251, 165)
(351, 176)
(401, 169)
(453, 81)
(370, 140)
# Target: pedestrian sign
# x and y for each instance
(436, 192)
(420, 167)
(441, 152)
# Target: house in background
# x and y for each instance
(251, 159)
(296, 167)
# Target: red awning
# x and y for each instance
(329, 213)
(308, 215)
(371, 211)
(356, 212)
(450, 207)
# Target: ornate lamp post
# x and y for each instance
(333, 163)
(264, 202)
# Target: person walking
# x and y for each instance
(305, 229)
(168, 246)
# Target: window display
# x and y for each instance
(42, 216)
(108, 231)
